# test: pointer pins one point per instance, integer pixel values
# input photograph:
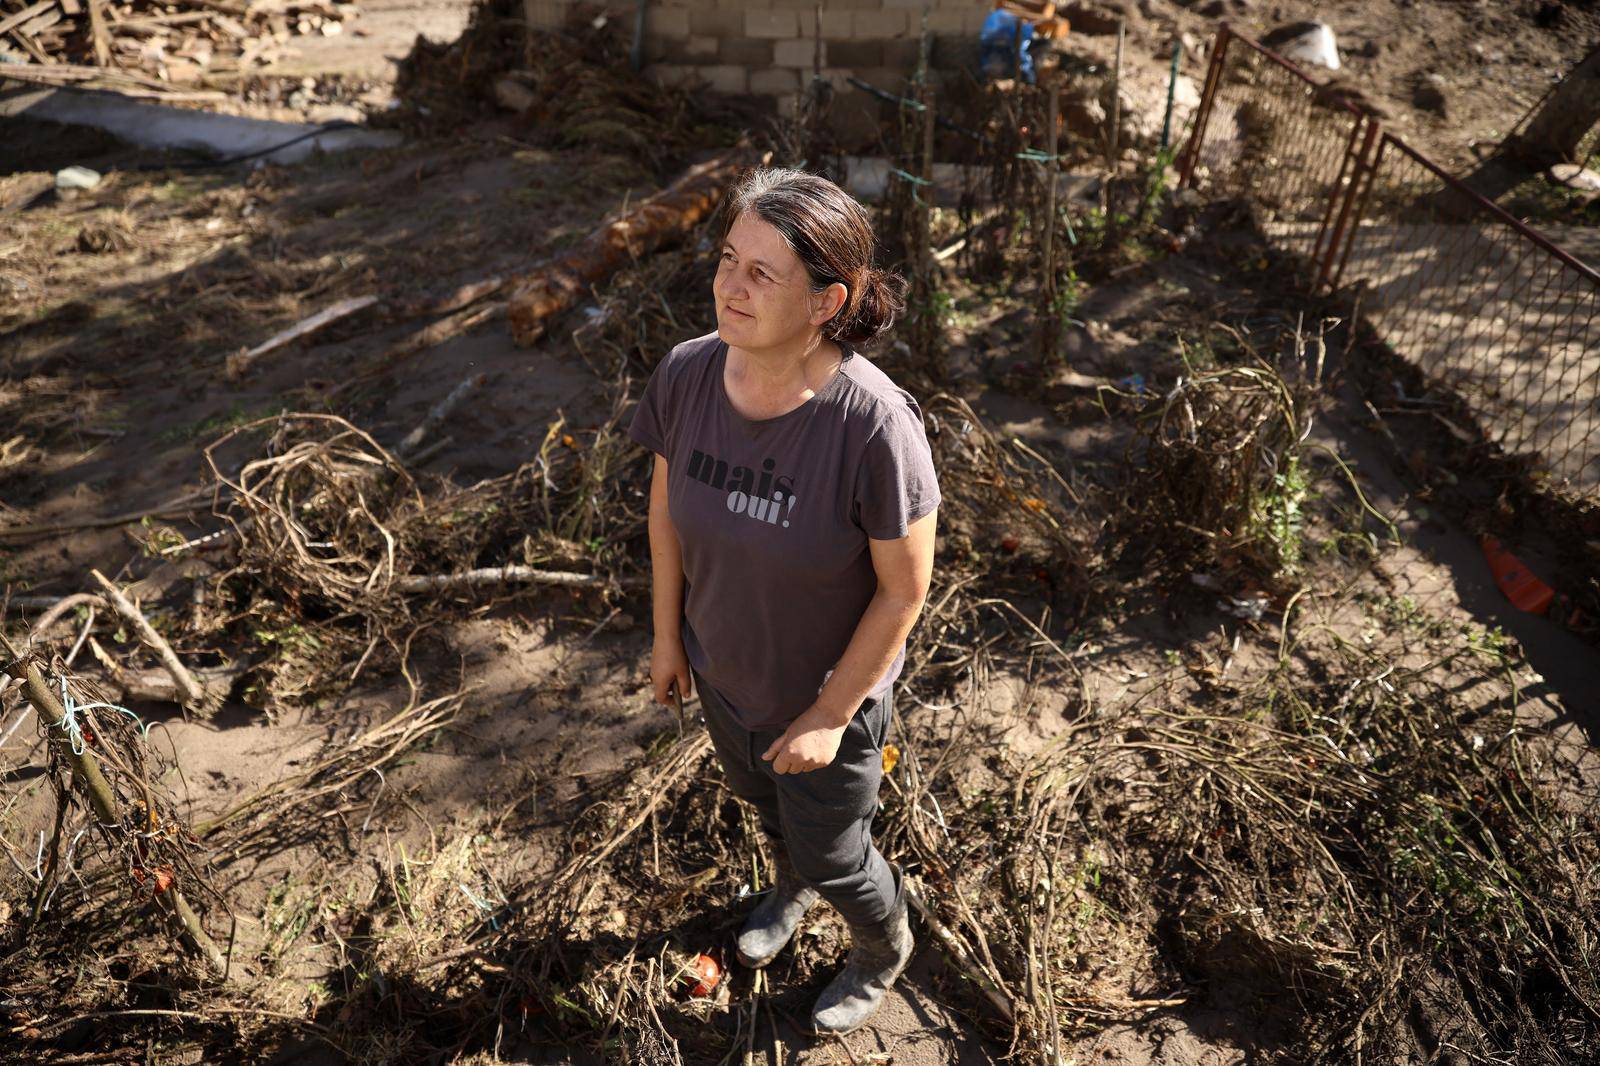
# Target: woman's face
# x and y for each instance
(763, 293)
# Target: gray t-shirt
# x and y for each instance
(773, 518)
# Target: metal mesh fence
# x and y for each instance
(1486, 307)
(1266, 133)
(1496, 312)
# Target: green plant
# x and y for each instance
(1281, 518)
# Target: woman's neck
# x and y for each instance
(781, 371)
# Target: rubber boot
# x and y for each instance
(878, 952)
(775, 918)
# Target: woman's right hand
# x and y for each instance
(669, 667)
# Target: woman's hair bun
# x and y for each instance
(869, 312)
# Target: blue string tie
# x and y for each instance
(69, 718)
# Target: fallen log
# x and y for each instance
(650, 225)
(434, 333)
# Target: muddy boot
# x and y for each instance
(878, 952)
(773, 922)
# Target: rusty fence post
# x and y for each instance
(1191, 151)
(1359, 161)
(1353, 223)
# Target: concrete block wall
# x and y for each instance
(769, 48)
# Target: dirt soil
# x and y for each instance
(1490, 62)
(122, 305)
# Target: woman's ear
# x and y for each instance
(826, 304)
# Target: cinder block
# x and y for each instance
(700, 48)
(800, 52)
(744, 52)
(951, 52)
(770, 82)
(901, 52)
(879, 24)
(673, 74)
(715, 23)
(913, 6)
(855, 117)
(744, 5)
(943, 21)
(771, 24)
(835, 24)
(889, 79)
(725, 78)
(855, 54)
(805, 7)
(667, 22)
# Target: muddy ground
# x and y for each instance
(122, 308)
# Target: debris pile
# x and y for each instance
(141, 48)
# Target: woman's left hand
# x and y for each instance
(808, 744)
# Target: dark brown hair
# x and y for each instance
(832, 235)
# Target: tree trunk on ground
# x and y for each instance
(1567, 114)
(1552, 136)
(649, 225)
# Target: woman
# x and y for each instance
(792, 514)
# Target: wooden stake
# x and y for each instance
(925, 231)
(1047, 287)
(188, 687)
(86, 771)
(1116, 98)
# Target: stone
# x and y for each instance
(512, 95)
(1214, 10)
(1575, 176)
(76, 177)
(1309, 43)
(1429, 95)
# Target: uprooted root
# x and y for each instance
(1215, 473)
(1383, 861)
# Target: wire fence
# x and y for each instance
(1483, 305)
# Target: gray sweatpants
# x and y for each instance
(822, 817)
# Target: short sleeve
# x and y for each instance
(895, 482)
(652, 417)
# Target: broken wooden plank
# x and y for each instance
(97, 27)
(438, 414)
(510, 574)
(25, 14)
(239, 363)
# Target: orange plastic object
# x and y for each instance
(705, 973)
(1515, 580)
